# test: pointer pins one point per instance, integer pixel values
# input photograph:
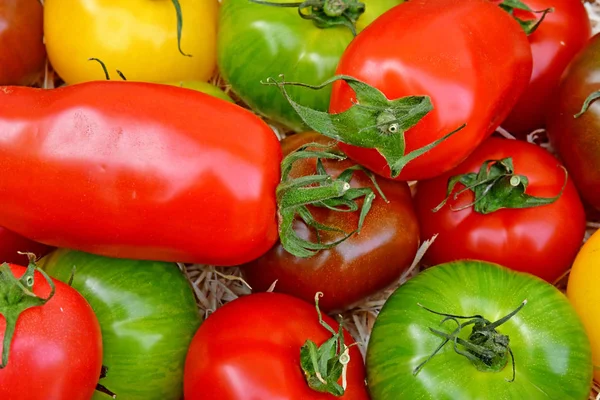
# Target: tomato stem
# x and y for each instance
(16, 296)
(179, 26)
(587, 103)
(529, 26)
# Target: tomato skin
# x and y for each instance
(469, 56)
(561, 35)
(260, 358)
(23, 55)
(282, 43)
(11, 244)
(357, 267)
(148, 316)
(583, 294)
(123, 154)
(550, 346)
(577, 140)
(56, 351)
(137, 37)
(522, 239)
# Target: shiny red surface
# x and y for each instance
(138, 170)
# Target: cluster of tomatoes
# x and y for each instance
(392, 112)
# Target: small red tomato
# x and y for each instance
(361, 265)
(250, 349)
(12, 243)
(56, 350)
(486, 224)
(558, 38)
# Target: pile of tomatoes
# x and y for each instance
(350, 134)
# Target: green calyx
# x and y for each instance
(323, 366)
(325, 13)
(485, 347)
(372, 121)
(16, 296)
(318, 190)
(179, 26)
(106, 74)
(587, 103)
(529, 26)
(496, 186)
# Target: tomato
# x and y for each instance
(577, 140)
(137, 37)
(359, 266)
(23, 55)
(551, 351)
(56, 350)
(257, 41)
(250, 349)
(11, 244)
(524, 239)
(469, 56)
(203, 87)
(148, 315)
(558, 38)
(107, 157)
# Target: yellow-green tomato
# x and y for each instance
(137, 37)
(203, 87)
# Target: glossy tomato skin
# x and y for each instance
(139, 171)
(137, 37)
(250, 349)
(577, 140)
(357, 267)
(23, 54)
(583, 294)
(56, 351)
(540, 240)
(256, 42)
(148, 316)
(469, 56)
(549, 343)
(11, 244)
(562, 34)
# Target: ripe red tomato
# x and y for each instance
(23, 54)
(541, 240)
(560, 36)
(471, 57)
(249, 349)
(56, 350)
(357, 267)
(11, 244)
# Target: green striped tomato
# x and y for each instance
(552, 356)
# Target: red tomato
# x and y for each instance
(138, 170)
(471, 57)
(11, 244)
(249, 349)
(56, 350)
(23, 55)
(561, 35)
(359, 266)
(541, 240)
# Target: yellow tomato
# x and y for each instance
(137, 37)
(583, 289)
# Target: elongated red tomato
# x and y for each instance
(138, 170)
(469, 56)
(11, 244)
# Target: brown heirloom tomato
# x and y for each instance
(361, 265)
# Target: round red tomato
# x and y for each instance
(542, 240)
(56, 350)
(249, 349)
(359, 266)
(469, 56)
(560, 36)
(11, 244)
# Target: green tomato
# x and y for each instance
(257, 41)
(552, 356)
(203, 87)
(147, 314)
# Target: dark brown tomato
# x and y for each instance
(361, 265)
(22, 51)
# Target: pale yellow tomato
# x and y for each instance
(136, 37)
